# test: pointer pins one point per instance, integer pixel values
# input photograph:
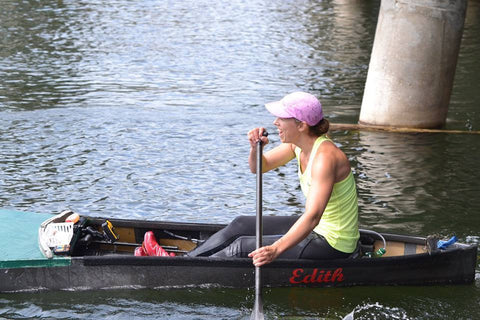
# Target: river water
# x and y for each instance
(140, 109)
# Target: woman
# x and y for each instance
(328, 229)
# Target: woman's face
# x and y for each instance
(287, 129)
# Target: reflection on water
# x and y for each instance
(464, 102)
(409, 182)
(216, 303)
(140, 110)
(181, 53)
(39, 56)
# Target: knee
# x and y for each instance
(242, 223)
(235, 249)
(241, 219)
(241, 247)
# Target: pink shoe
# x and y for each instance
(151, 246)
(140, 252)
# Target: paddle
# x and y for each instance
(257, 313)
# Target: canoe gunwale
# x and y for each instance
(209, 228)
(153, 224)
(279, 263)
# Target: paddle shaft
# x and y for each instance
(259, 220)
(257, 313)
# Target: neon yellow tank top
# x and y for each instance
(339, 222)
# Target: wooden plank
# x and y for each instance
(397, 248)
(394, 248)
(421, 249)
(364, 127)
(184, 245)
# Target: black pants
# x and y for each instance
(238, 240)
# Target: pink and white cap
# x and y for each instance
(299, 105)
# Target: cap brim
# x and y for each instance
(277, 109)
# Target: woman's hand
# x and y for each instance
(257, 134)
(263, 255)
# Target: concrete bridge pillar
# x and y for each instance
(413, 63)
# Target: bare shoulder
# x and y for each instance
(327, 153)
(331, 157)
(329, 149)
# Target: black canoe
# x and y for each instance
(102, 264)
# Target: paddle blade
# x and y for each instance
(257, 312)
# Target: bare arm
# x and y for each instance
(323, 179)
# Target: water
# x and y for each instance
(141, 109)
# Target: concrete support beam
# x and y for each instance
(413, 63)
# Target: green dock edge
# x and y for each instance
(19, 236)
(35, 263)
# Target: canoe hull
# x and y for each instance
(454, 267)
(115, 266)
